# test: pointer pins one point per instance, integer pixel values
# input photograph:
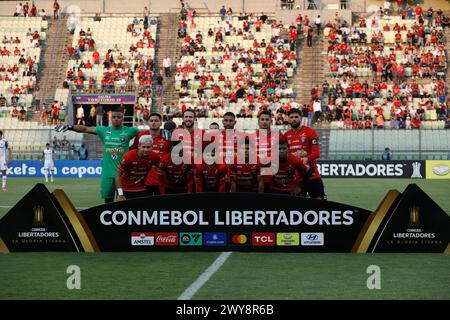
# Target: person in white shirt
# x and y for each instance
(80, 115)
(19, 9)
(318, 24)
(166, 64)
(317, 107)
(4, 160)
(47, 156)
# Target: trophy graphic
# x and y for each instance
(38, 217)
(416, 170)
(414, 220)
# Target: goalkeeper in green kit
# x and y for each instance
(116, 140)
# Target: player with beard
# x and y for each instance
(303, 142)
(229, 147)
(196, 134)
(133, 169)
(161, 146)
(210, 176)
(246, 177)
(290, 172)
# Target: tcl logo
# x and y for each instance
(263, 239)
(166, 239)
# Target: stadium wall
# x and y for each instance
(173, 6)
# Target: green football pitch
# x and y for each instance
(259, 276)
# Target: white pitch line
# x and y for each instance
(204, 277)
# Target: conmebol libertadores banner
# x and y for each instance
(403, 222)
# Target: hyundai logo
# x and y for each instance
(312, 237)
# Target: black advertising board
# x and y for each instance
(372, 169)
(229, 222)
(221, 221)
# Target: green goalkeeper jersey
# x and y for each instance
(115, 145)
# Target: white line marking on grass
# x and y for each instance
(204, 277)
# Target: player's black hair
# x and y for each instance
(118, 109)
(189, 110)
(265, 112)
(155, 114)
(229, 114)
(214, 123)
(282, 141)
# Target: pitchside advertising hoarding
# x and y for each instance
(403, 222)
(429, 169)
(62, 169)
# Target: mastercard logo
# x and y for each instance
(239, 239)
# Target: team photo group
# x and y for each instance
(188, 159)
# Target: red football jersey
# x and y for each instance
(229, 146)
(246, 176)
(161, 146)
(174, 175)
(304, 144)
(135, 169)
(189, 144)
(289, 175)
(264, 144)
(210, 178)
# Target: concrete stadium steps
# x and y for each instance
(54, 62)
(311, 70)
(167, 46)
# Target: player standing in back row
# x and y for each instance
(303, 142)
(4, 160)
(47, 156)
(116, 141)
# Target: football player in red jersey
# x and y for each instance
(192, 146)
(229, 147)
(161, 146)
(210, 176)
(246, 177)
(174, 178)
(290, 172)
(303, 142)
(263, 140)
(133, 168)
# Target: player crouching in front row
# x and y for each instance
(291, 172)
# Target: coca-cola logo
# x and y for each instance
(166, 239)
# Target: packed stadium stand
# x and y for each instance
(20, 51)
(240, 64)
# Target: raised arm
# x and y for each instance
(76, 128)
